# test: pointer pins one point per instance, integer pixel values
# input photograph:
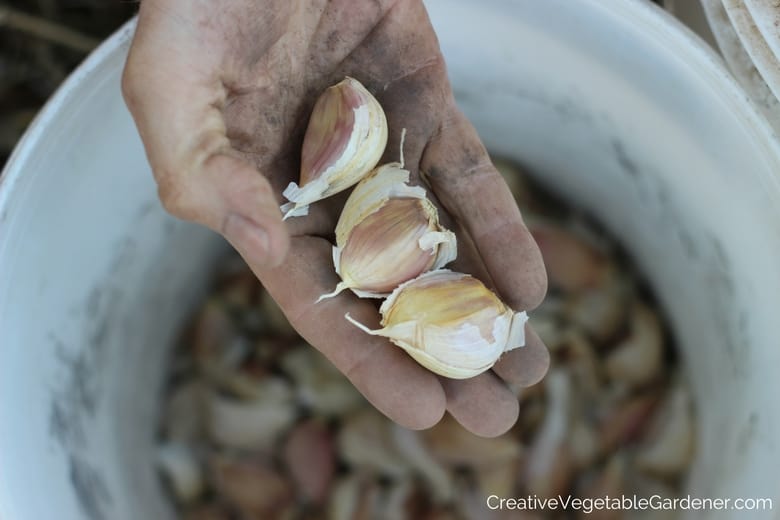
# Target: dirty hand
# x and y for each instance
(221, 93)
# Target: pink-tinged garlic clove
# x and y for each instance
(252, 425)
(549, 465)
(182, 470)
(344, 140)
(388, 233)
(668, 449)
(638, 359)
(572, 264)
(310, 458)
(251, 485)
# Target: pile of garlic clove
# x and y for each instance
(389, 243)
(257, 424)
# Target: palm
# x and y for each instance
(389, 48)
(257, 77)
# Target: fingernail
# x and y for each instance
(249, 238)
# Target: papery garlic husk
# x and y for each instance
(344, 141)
(388, 233)
(450, 323)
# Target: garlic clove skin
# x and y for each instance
(344, 141)
(450, 323)
(388, 233)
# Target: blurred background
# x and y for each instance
(41, 42)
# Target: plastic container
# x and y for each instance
(612, 104)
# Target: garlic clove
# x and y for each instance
(549, 467)
(584, 364)
(251, 485)
(319, 386)
(387, 234)
(583, 444)
(498, 479)
(345, 139)
(624, 423)
(609, 481)
(255, 424)
(411, 446)
(450, 323)
(470, 503)
(185, 411)
(601, 310)
(311, 459)
(453, 445)
(397, 501)
(668, 449)
(366, 443)
(638, 359)
(572, 264)
(181, 468)
(354, 497)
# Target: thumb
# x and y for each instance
(172, 89)
(231, 197)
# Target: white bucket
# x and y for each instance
(612, 104)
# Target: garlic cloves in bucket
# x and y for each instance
(181, 467)
(388, 233)
(669, 446)
(450, 323)
(345, 139)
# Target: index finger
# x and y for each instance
(459, 171)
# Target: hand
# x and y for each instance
(221, 93)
